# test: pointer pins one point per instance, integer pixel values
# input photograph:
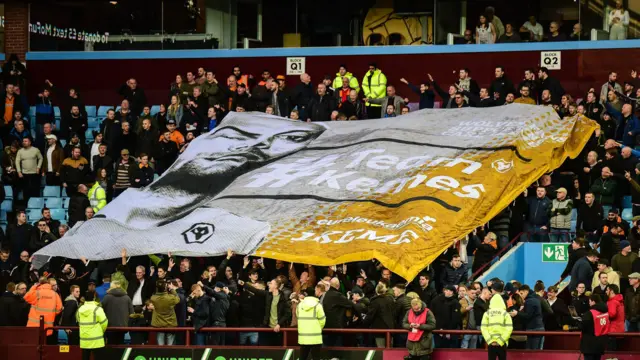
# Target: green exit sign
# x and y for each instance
(554, 252)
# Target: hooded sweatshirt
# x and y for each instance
(117, 306)
(496, 322)
(615, 305)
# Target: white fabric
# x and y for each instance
(536, 29)
(137, 297)
(94, 151)
(49, 156)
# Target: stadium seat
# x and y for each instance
(65, 202)
(627, 214)
(64, 193)
(58, 214)
(3, 216)
(155, 109)
(626, 202)
(56, 111)
(8, 191)
(89, 135)
(3, 225)
(93, 123)
(33, 215)
(35, 203)
(53, 203)
(7, 205)
(63, 222)
(63, 142)
(57, 124)
(91, 110)
(102, 111)
(32, 112)
(118, 108)
(51, 191)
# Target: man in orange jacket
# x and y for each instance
(44, 302)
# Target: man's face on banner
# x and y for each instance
(230, 149)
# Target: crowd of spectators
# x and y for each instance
(490, 29)
(133, 145)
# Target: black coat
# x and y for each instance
(335, 305)
(447, 312)
(503, 86)
(147, 288)
(218, 307)
(350, 109)
(426, 295)
(77, 205)
(146, 143)
(574, 255)
(103, 162)
(302, 94)
(252, 310)
(380, 313)
(284, 310)
(589, 342)
(201, 314)
(13, 310)
(403, 305)
(137, 98)
(69, 313)
(554, 87)
(142, 177)
(320, 108)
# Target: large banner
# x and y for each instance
(400, 190)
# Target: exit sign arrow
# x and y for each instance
(548, 252)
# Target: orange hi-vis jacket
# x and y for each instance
(44, 302)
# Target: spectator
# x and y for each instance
(352, 81)
(426, 292)
(560, 221)
(509, 36)
(142, 175)
(554, 33)
(277, 313)
(538, 215)
(615, 305)
(321, 105)
(490, 13)
(482, 101)
(525, 97)
(611, 83)
(501, 86)
(140, 287)
(467, 298)
(18, 236)
(117, 306)
(124, 170)
(53, 160)
(93, 324)
(604, 268)
(74, 142)
(632, 303)
(454, 273)
(46, 303)
(163, 312)
(466, 39)
(218, 310)
(135, 96)
(137, 319)
(402, 306)
(594, 110)
(211, 89)
(380, 313)
(391, 99)
(76, 122)
(78, 204)
(485, 250)
(252, 308)
(446, 310)
(601, 287)
(580, 300)
(19, 132)
(41, 236)
(200, 313)
(374, 84)
(577, 33)
(352, 107)
(628, 121)
(604, 189)
(175, 111)
(75, 171)
(533, 28)
(623, 262)
(103, 161)
(13, 309)
(496, 328)
(167, 152)
(420, 322)
(485, 31)
(335, 305)
(559, 316)
(28, 165)
(305, 283)
(312, 320)
(594, 325)
(302, 95)
(532, 316)
(582, 272)
(618, 22)
(549, 83)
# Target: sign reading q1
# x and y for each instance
(295, 65)
(550, 60)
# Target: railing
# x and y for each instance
(501, 252)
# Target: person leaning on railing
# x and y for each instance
(420, 322)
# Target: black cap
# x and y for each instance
(171, 121)
(450, 287)
(357, 290)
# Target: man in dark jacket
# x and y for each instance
(446, 309)
(632, 303)
(592, 341)
(403, 305)
(218, 310)
(485, 250)
(130, 91)
(500, 86)
(547, 82)
(353, 106)
(302, 94)
(252, 309)
(13, 309)
(117, 307)
(41, 236)
(380, 313)
(200, 313)
(537, 224)
(321, 105)
(335, 305)
(582, 271)
(78, 203)
(147, 140)
(70, 306)
(454, 273)
(590, 215)
(531, 316)
(140, 287)
(426, 292)
(277, 314)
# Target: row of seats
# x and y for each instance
(47, 192)
(51, 203)
(93, 112)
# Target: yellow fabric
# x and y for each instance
(97, 197)
(311, 321)
(353, 82)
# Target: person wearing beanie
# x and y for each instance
(622, 262)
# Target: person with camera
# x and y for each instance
(200, 312)
(164, 314)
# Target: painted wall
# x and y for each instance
(98, 74)
(524, 264)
